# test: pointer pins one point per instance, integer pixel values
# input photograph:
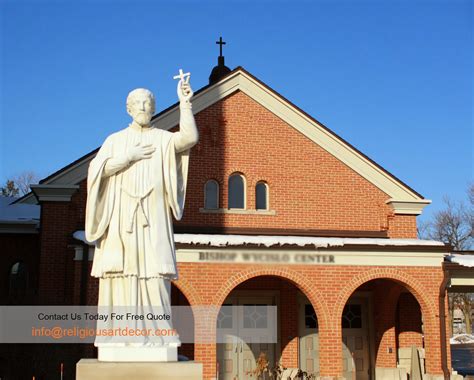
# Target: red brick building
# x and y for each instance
(312, 226)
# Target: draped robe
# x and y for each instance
(129, 216)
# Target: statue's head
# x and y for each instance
(141, 105)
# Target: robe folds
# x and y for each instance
(129, 217)
(129, 214)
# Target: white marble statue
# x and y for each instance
(136, 182)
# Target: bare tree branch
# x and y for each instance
(454, 224)
(9, 190)
(19, 185)
(25, 180)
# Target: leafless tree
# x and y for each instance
(465, 303)
(455, 225)
(9, 189)
(25, 180)
(423, 229)
(19, 185)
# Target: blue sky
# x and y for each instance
(394, 78)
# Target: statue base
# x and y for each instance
(137, 354)
(92, 369)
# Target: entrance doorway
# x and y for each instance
(308, 336)
(355, 338)
(238, 326)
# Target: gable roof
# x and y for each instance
(18, 218)
(403, 198)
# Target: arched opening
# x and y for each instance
(18, 280)
(261, 196)
(243, 315)
(236, 191)
(211, 195)
(183, 321)
(382, 332)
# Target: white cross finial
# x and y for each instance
(182, 76)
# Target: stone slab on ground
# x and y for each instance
(137, 354)
(92, 369)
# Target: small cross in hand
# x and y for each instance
(182, 76)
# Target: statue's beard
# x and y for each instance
(143, 119)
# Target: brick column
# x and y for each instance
(432, 344)
(56, 258)
(289, 326)
(59, 215)
(385, 306)
(431, 331)
(206, 354)
(409, 322)
(330, 347)
(205, 333)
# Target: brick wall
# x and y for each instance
(59, 220)
(386, 294)
(409, 321)
(402, 226)
(22, 248)
(289, 325)
(309, 188)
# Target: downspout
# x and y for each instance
(442, 322)
(84, 274)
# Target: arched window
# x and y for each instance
(18, 279)
(211, 195)
(236, 191)
(261, 196)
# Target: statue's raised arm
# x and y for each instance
(188, 135)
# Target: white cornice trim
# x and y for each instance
(407, 207)
(387, 255)
(79, 252)
(261, 256)
(54, 193)
(462, 281)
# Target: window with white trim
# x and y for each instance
(18, 279)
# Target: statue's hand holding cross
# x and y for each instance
(184, 90)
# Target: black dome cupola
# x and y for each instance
(221, 69)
